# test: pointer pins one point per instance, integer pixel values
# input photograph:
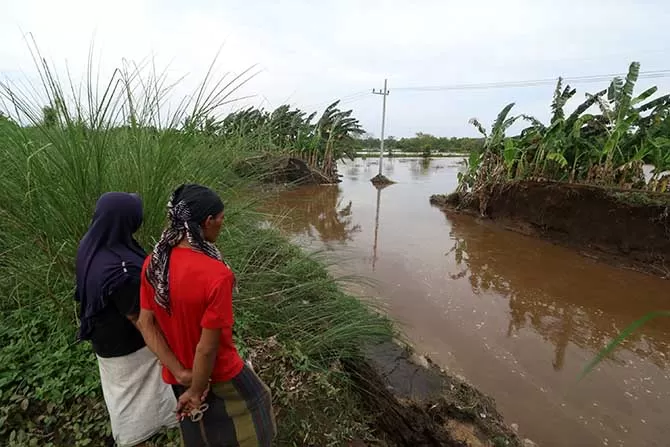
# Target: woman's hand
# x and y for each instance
(190, 400)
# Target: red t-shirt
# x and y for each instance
(201, 296)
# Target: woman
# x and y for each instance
(186, 293)
(109, 263)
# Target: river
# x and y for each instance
(516, 316)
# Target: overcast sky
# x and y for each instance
(311, 52)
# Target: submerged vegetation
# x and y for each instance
(604, 141)
(126, 135)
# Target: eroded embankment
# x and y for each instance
(414, 403)
(622, 227)
(281, 170)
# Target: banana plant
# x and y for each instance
(608, 147)
(660, 159)
(485, 166)
(500, 126)
(591, 100)
(561, 96)
(580, 148)
(292, 131)
(467, 179)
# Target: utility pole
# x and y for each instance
(384, 94)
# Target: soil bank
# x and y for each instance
(281, 170)
(415, 403)
(626, 228)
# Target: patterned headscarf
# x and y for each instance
(189, 206)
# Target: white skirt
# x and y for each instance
(140, 404)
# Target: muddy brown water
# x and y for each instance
(516, 316)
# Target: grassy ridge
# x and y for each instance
(292, 319)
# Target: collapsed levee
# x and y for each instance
(414, 403)
(626, 228)
(281, 169)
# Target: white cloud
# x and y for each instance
(312, 52)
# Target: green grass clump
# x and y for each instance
(292, 318)
(641, 198)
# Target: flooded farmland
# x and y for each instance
(516, 316)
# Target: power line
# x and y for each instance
(534, 82)
(351, 97)
(357, 96)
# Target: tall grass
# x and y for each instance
(130, 134)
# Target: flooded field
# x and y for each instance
(516, 316)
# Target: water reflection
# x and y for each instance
(425, 164)
(374, 245)
(545, 290)
(353, 171)
(317, 212)
(553, 297)
(424, 168)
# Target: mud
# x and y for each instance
(629, 229)
(415, 403)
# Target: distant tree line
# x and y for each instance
(423, 143)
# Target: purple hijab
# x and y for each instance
(108, 256)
